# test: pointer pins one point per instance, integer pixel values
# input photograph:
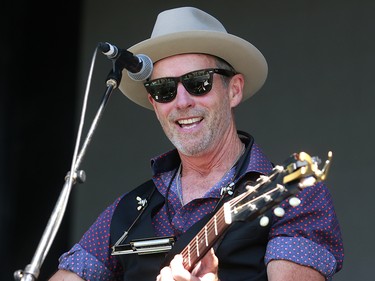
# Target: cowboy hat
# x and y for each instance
(190, 30)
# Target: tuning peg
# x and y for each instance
(306, 182)
(267, 198)
(279, 212)
(294, 201)
(264, 221)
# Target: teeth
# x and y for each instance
(188, 121)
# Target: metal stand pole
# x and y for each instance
(32, 270)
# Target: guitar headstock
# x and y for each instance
(299, 171)
(306, 169)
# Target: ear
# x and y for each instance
(236, 89)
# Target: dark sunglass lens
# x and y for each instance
(162, 90)
(198, 82)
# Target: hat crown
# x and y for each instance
(190, 30)
(185, 19)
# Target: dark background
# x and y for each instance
(319, 96)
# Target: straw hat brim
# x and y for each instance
(242, 55)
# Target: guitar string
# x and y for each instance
(207, 231)
(192, 251)
(220, 216)
(210, 227)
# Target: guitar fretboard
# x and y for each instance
(204, 240)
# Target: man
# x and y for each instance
(201, 73)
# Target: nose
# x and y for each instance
(183, 98)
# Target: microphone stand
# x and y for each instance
(32, 270)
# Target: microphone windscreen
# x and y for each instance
(146, 70)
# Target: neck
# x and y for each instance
(199, 174)
(219, 159)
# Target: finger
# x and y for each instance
(210, 259)
(178, 270)
(165, 274)
(208, 264)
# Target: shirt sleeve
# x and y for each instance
(91, 257)
(308, 234)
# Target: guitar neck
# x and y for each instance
(217, 225)
(204, 240)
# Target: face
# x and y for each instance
(196, 124)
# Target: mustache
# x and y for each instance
(186, 113)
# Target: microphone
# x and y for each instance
(139, 67)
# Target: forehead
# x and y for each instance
(183, 63)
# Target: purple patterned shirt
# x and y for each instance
(308, 234)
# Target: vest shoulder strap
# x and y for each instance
(128, 213)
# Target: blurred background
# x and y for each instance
(319, 96)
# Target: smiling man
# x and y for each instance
(201, 73)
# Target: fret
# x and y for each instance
(204, 240)
(197, 244)
(205, 234)
(189, 256)
(215, 222)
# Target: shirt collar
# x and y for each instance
(170, 160)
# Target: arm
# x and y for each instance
(281, 270)
(86, 259)
(64, 275)
(308, 234)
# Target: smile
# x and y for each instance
(189, 122)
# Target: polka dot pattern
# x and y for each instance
(91, 258)
(302, 251)
(308, 234)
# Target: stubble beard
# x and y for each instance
(195, 144)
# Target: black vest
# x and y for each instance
(240, 252)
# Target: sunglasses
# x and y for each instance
(197, 83)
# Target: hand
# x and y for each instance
(205, 270)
